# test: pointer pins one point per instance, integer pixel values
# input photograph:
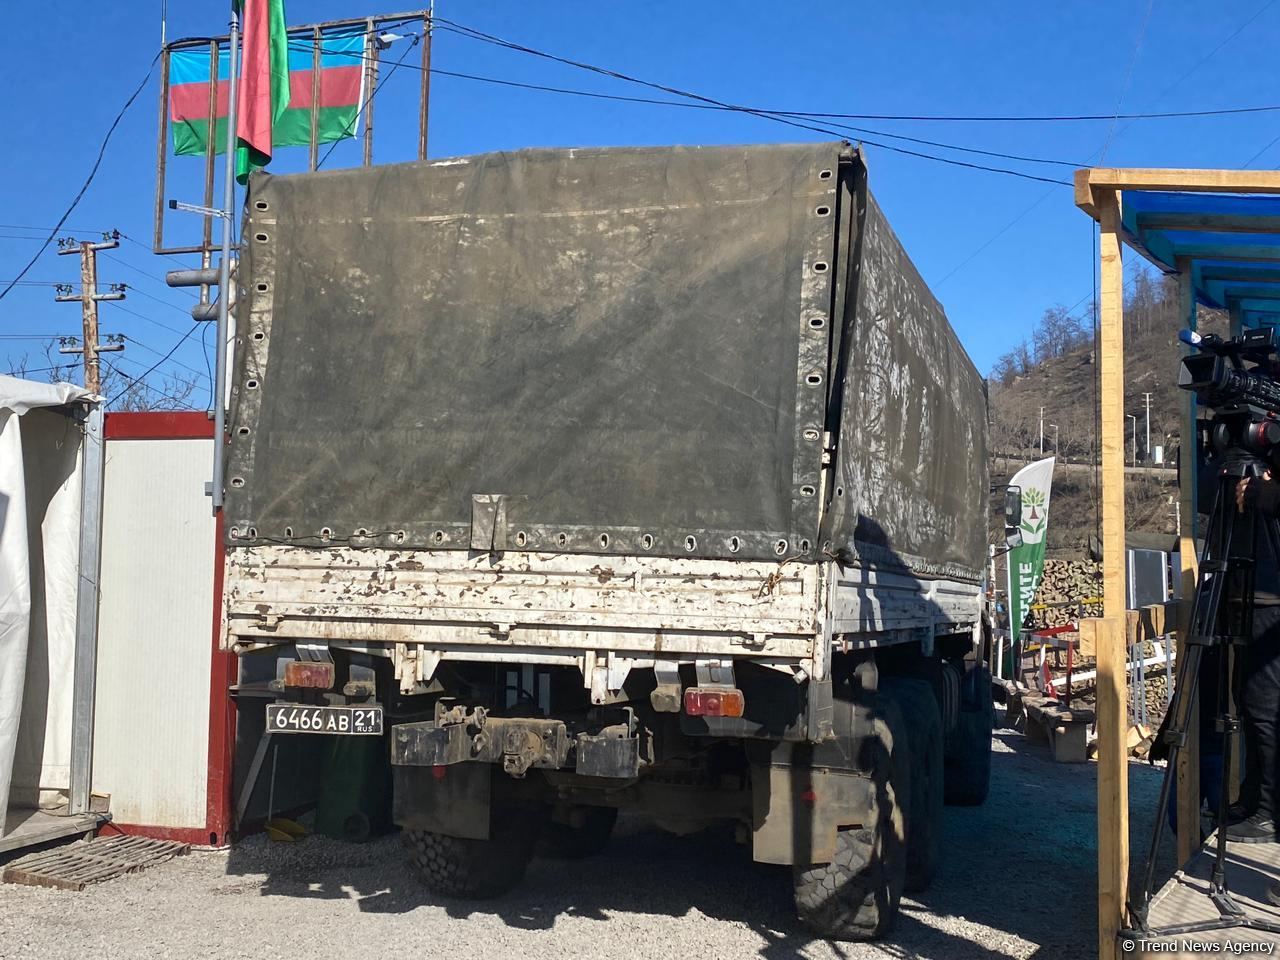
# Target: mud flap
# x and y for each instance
(803, 793)
(453, 801)
(797, 809)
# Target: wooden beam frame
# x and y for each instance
(1093, 183)
(1112, 708)
(1098, 192)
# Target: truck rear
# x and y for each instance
(615, 479)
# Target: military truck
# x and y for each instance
(600, 480)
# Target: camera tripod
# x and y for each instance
(1221, 619)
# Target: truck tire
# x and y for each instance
(472, 869)
(567, 842)
(856, 895)
(968, 760)
(924, 807)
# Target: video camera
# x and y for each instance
(1245, 401)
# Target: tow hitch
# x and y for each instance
(460, 734)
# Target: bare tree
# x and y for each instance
(123, 392)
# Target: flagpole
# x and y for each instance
(224, 267)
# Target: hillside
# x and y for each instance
(1060, 376)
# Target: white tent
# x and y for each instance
(49, 435)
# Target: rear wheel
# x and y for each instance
(968, 758)
(924, 809)
(473, 869)
(856, 895)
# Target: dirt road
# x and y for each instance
(1018, 881)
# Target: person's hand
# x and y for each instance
(1250, 492)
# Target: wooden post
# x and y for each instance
(1189, 756)
(1112, 716)
(88, 299)
(1235, 320)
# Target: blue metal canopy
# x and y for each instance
(1230, 242)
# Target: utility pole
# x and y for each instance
(89, 297)
(1147, 397)
(1042, 431)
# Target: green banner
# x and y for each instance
(1026, 562)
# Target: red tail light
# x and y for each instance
(713, 702)
(309, 673)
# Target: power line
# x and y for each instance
(168, 355)
(25, 226)
(139, 382)
(138, 243)
(1128, 78)
(1164, 93)
(473, 34)
(172, 306)
(88, 180)
(307, 45)
(652, 101)
(146, 273)
(152, 368)
(1248, 163)
(143, 316)
(372, 93)
(36, 336)
(69, 366)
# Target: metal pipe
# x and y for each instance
(162, 152)
(84, 671)
(424, 96)
(313, 156)
(210, 152)
(371, 81)
(224, 271)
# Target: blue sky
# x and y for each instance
(996, 250)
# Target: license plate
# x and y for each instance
(351, 721)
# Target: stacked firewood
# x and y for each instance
(1063, 588)
(1062, 597)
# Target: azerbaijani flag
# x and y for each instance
(341, 76)
(264, 82)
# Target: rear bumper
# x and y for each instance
(519, 744)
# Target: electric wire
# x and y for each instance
(147, 273)
(167, 356)
(136, 382)
(372, 93)
(41, 229)
(1164, 93)
(473, 34)
(142, 316)
(310, 45)
(93, 172)
(13, 371)
(204, 349)
(152, 368)
(1128, 78)
(1248, 163)
(307, 45)
(37, 336)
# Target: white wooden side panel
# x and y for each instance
(151, 741)
(632, 604)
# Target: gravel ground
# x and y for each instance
(1018, 881)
